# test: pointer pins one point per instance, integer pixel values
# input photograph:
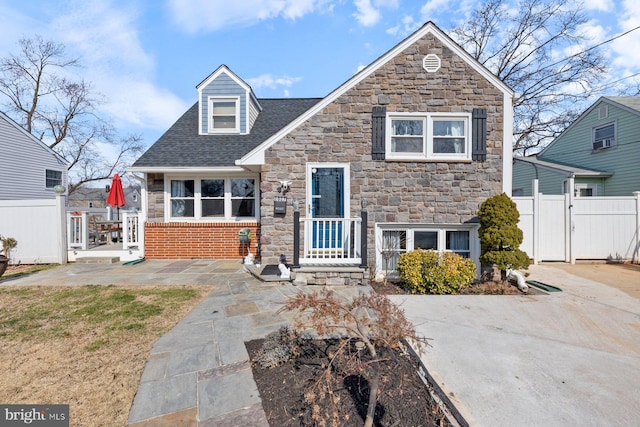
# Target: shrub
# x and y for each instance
(279, 347)
(429, 272)
(8, 243)
(500, 237)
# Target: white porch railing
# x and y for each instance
(331, 240)
(78, 233)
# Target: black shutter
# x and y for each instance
(479, 134)
(378, 119)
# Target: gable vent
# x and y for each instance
(431, 63)
(603, 112)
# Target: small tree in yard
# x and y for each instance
(500, 237)
(8, 243)
(373, 319)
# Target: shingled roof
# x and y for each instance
(183, 146)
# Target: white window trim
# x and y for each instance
(210, 101)
(584, 186)
(427, 153)
(603, 125)
(474, 242)
(197, 208)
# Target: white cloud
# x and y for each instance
(106, 39)
(194, 16)
(601, 5)
(366, 14)
(432, 8)
(407, 26)
(272, 82)
(626, 58)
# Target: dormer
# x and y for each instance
(227, 104)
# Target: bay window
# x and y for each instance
(227, 198)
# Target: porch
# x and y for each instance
(88, 237)
(330, 251)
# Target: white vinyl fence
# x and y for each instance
(567, 228)
(37, 225)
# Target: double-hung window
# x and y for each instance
(224, 198)
(224, 115)
(604, 136)
(429, 136)
(52, 178)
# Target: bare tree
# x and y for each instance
(527, 48)
(41, 95)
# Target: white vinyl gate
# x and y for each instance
(567, 228)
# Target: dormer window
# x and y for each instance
(224, 115)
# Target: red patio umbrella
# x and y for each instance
(116, 194)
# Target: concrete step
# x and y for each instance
(98, 260)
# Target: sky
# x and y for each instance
(146, 57)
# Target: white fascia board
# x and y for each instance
(256, 156)
(179, 170)
(223, 69)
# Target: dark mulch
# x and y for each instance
(404, 399)
(480, 288)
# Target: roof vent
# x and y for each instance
(603, 112)
(431, 63)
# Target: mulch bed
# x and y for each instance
(480, 288)
(404, 398)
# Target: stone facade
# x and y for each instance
(413, 192)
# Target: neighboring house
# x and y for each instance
(30, 210)
(29, 169)
(418, 140)
(91, 197)
(596, 156)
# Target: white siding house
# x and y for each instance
(30, 211)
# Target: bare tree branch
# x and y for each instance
(522, 46)
(62, 112)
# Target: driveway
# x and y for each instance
(566, 358)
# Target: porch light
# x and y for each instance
(363, 203)
(296, 204)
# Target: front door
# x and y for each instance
(327, 203)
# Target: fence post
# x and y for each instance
(570, 253)
(296, 238)
(363, 238)
(636, 255)
(61, 219)
(536, 221)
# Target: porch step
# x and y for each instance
(98, 260)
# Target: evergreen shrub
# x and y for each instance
(500, 237)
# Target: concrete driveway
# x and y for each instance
(562, 359)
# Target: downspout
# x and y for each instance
(142, 215)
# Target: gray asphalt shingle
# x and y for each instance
(182, 146)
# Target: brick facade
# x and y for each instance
(413, 192)
(189, 240)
